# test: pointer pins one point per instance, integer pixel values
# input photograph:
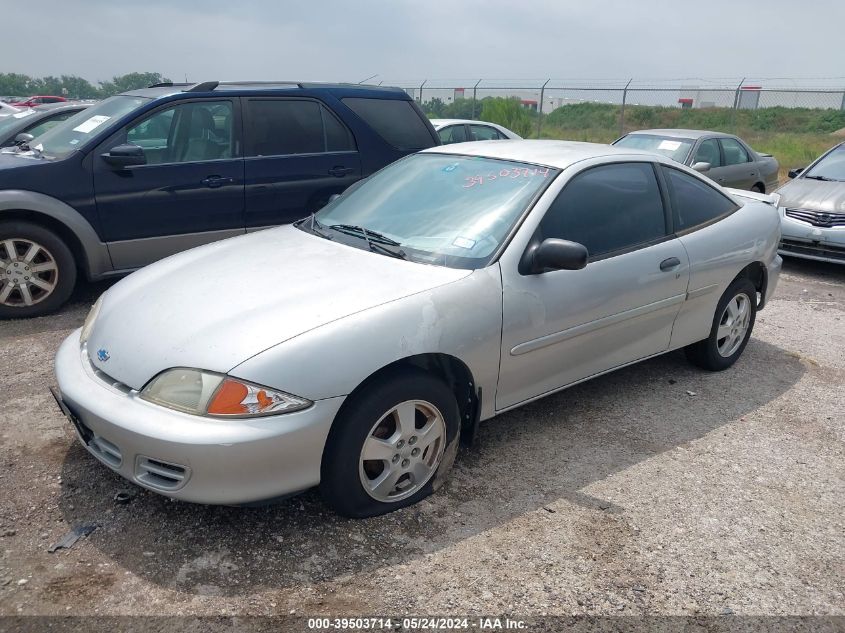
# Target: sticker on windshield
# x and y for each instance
(463, 242)
(25, 113)
(512, 173)
(91, 124)
(670, 145)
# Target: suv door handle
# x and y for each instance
(339, 171)
(216, 181)
(670, 264)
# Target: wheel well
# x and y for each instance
(756, 273)
(54, 225)
(449, 369)
(761, 185)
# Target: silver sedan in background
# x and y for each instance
(725, 158)
(352, 350)
(813, 207)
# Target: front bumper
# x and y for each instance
(802, 239)
(189, 457)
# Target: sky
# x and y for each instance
(333, 40)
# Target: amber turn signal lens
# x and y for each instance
(229, 399)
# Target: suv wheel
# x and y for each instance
(37, 270)
(391, 446)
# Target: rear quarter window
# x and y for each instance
(695, 203)
(397, 121)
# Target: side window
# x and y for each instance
(484, 133)
(735, 153)
(397, 121)
(190, 132)
(39, 128)
(694, 202)
(708, 152)
(280, 127)
(452, 134)
(608, 208)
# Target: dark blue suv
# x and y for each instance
(151, 172)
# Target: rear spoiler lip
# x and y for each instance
(768, 198)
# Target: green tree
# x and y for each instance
(508, 112)
(131, 81)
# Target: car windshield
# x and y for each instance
(675, 148)
(831, 167)
(73, 133)
(439, 209)
(9, 123)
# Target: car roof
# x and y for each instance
(444, 122)
(680, 133)
(62, 105)
(166, 89)
(558, 154)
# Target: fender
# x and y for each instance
(97, 260)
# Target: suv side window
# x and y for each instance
(694, 202)
(608, 208)
(189, 132)
(280, 127)
(708, 152)
(397, 121)
(484, 133)
(735, 153)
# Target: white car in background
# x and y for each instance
(463, 130)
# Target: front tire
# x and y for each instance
(37, 270)
(391, 446)
(731, 329)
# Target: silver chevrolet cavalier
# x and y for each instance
(813, 207)
(352, 350)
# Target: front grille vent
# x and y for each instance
(822, 219)
(106, 451)
(159, 474)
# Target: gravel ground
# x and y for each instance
(658, 489)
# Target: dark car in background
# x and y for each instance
(36, 121)
(725, 158)
(152, 172)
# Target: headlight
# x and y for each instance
(89, 321)
(207, 393)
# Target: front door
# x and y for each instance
(739, 170)
(298, 154)
(189, 192)
(563, 326)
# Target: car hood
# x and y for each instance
(813, 194)
(215, 306)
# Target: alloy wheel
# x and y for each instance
(28, 272)
(402, 451)
(733, 325)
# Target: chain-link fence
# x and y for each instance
(630, 98)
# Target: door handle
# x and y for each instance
(670, 264)
(339, 171)
(216, 181)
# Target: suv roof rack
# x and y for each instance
(204, 86)
(208, 86)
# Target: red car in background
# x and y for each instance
(38, 100)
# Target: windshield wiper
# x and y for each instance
(823, 178)
(367, 234)
(314, 226)
(376, 242)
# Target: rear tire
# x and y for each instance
(37, 270)
(392, 445)
(731, 329)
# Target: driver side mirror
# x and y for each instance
(701, 166)
(554, 254)
(125, 156)
(23, 138)
(794, 173)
